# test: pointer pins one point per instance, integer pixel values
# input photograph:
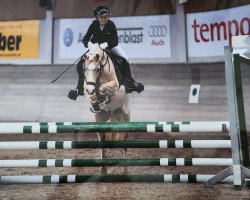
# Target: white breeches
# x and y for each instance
(119, 51)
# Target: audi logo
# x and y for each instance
(157, 31)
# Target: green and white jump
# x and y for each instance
(54, 179)
(116, 144)
(75, 127)
(117, 162)
(78, 127)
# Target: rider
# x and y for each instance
(103, 31)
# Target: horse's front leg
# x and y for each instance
(110, 86)
(103, 116)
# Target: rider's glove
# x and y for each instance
(89, 44)
(104, 45)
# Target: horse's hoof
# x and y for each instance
(94, 110)
(104, 172)
(102, 99)
(125, 172)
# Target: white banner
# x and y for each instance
(70, 37)
(140, 37)
(209, 32)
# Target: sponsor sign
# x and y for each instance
(144, 37)
(139, 37)
(19, 39)
(209, 32)
(71, 32)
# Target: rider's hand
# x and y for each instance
(89, 44)
(104, 45)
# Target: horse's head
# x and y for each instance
(92, 67)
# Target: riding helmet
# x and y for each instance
(101, 11)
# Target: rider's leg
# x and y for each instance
(74, 93)
(119, 51)
(80, 72)
(128, 81)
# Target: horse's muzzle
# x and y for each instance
(90, 88)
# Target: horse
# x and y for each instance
(100, 81)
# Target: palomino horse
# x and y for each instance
(100, 80)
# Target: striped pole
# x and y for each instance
(118, 162)
(172, 178)
(19, 128)
(116, 144)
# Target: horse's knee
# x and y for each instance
(104, 170)
(126, 117)
(103, 89)
(110, 86)
(118, 114)
(93, 98)
(102, 116)
(121, 115)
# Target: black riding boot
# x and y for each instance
(129, 83)
(73, 94)
(80, 72)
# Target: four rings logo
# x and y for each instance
(157, 31)
(68, 37)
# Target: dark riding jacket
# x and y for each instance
(96, 35)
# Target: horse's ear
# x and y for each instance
(97, 57)
(85, 57)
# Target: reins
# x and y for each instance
(98, 84)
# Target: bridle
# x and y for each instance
(97, 84)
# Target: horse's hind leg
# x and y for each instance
(125, 168)
(101, 137)
(103, 116)
(122, 115)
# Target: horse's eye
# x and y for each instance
(96, 56)
(98, 69)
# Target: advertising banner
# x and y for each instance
(19, 39)
(209, 32)
(139, 37)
